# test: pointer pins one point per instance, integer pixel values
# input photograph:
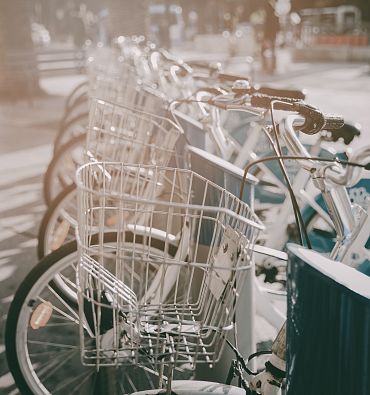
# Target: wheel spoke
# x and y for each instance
(75, 379)
(51, 344)
(51, 367)
(61, 312)
(68, 281)
(46, 353)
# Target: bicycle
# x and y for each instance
(344, 244)
(59, 216)
(279, 316)
(216, 218)
(352, 224)
(61, 169)
(66, 225)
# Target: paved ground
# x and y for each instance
(26, 134)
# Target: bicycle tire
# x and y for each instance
(75, 94)
(51, 215)
(78, 106)
(56, 177)
(82, 98)
(40, 279)
(66, 131)
(22, 365)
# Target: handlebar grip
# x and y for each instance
(333, 121)
(264, 101)
(315, 120)
(288, 93)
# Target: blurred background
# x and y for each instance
(47, 36)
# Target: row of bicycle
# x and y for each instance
(152, 249)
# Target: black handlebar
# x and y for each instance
(333, 121)
(286, 93)
(315, 120)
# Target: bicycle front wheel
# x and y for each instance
(42, 338)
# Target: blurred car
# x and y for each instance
(40, 35)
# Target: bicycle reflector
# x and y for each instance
(328, 329)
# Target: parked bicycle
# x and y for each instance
(149, 290)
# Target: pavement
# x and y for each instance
(27, 132)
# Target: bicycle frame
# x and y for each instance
(351, 223)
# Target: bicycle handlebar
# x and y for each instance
(242, 87)
(286, 93)
(340, 176)
(279, 103)
(315, 120)
(239, 104)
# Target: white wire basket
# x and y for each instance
(162, 290)
(120, 133)
(130, 92)
(106, 61)
(110, 71)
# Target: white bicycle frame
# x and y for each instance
(351, 222)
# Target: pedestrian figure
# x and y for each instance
(79, 30)
(271, 28)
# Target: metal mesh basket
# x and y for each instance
(130, 92)
(106, 61)
(120, 133)
(165, 290)
(110, 73)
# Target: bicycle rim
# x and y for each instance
(47, 359)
